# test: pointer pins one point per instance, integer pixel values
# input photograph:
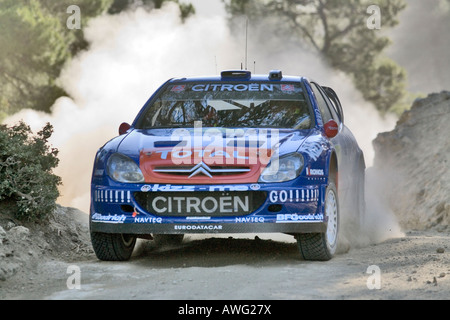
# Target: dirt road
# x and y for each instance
(416, 266)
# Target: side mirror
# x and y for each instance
(331, 129)
(123, 128)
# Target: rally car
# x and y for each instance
(235, 153)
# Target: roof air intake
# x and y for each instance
(275, 75)
(236, 74)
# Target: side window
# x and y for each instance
(326, 114)
(331, 107)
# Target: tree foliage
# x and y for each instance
(186, 9)
(36, 44)
(26, 163)
(338, 30)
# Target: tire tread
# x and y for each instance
(312, 246)
(110, 247)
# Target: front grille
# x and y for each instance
(200, 204)
(212, 170)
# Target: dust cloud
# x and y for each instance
(130, 56)
(421, 44)
(134, 52)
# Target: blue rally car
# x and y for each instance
(235, 153)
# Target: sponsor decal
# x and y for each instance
(198, 227)
(294, 217)
(167, 187)
(113, 196)
(147, 220)
(193, 205)
(198, 218)
(297, 195)
(236, 187)
(287, 87)
(255, 187)
(98, 217)
(212, 153)
(249, 219)
(178, 88)
(218, 87)
(313, 148)
(314, 172)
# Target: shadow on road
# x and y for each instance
(216, 252)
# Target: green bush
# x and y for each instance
(26, 163)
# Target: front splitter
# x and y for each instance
(185, 228)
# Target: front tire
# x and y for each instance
(113, 246)
(322, 246)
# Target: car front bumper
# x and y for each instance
(279, 209)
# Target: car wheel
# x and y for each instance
(168, 239)
(113, 246)
(322, 246)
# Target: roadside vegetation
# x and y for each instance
(26, 179)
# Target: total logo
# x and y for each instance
(181, 153)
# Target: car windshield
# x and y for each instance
(233, 104)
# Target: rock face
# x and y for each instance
(414, 164)
(62, 235)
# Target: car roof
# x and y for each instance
(242, 75)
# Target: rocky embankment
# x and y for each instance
(413, 162)
(62, 235)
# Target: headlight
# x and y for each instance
(283, 169)
(123, 169)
